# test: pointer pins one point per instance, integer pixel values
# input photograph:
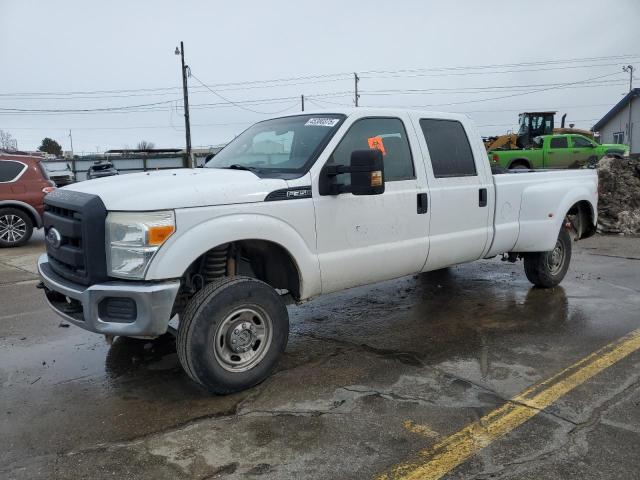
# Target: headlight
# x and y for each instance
(133, 238)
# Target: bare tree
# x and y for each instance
(7, 142)
(144, 145)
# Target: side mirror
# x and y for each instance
(366, 170)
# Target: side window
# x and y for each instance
(385, 134)
(581, 142)
(10, 169)
(449, 149)
(558, 142)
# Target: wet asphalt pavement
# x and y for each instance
(371, 376)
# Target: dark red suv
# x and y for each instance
(23, 185)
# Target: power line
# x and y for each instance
(156, 107)
(478, 89)
(238, 104)
(517, 94)
(225, 124)
(383, 76)
(513, 123)
(106, 109)
(348, 75)
(506, 65)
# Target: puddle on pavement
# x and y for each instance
(482, 322)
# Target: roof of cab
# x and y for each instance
(380, 111)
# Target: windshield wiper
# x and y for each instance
(237, 166)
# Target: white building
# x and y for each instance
(614, 126)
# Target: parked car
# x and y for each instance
(23, 185)
(60, 173)
(557, 151)
(101, 169)
(293, 208)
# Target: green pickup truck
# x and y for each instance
(556, 151)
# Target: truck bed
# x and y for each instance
(527, 202)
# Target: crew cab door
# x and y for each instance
(462, 192)
(368, 238)
(582, 149)
(557, 152)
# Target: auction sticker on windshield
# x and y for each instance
(322, 122)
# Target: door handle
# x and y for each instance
(482, 197)
(423, 203)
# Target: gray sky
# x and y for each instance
(55, 47)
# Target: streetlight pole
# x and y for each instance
(629, 68)
(185, 92)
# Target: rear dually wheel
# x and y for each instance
(547, 269)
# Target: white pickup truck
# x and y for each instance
(296, 207)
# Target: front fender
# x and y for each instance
(192, 239)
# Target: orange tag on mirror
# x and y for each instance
(376, 143)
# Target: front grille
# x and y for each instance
(76, 251)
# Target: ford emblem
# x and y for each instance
(53, 238)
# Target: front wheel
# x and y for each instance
(232, 334)
(547, 269)
(16, 227)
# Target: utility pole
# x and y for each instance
(356, 79)
(302, 100)
(73, 158)
(185, 91)
(629, 68)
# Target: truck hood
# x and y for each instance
(179, 188)
(614, 146)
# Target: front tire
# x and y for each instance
(16, 227)
(232, 334)
(547, 269)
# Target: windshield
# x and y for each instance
(287, 145)
(56, 167)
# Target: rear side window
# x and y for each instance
(449, 148)
(558, 142)
(10, 170)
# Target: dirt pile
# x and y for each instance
(619, 202)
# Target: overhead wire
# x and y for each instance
(362, 74)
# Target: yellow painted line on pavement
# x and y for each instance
(423, 430)
(441, 458)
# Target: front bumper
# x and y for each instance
(80, 305)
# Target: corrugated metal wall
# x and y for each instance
(126, 165)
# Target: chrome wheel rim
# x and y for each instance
(12, 228)
(243, 338)
(555, 258)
